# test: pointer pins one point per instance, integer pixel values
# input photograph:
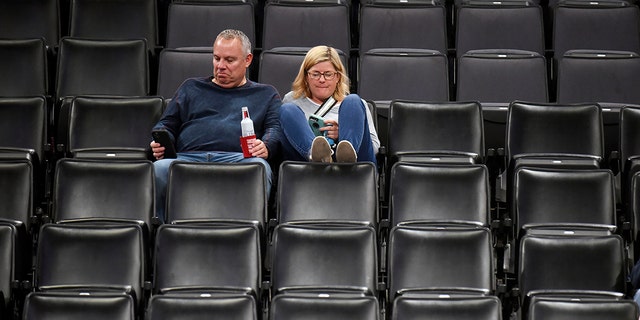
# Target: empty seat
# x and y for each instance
(588, 309)
(24, 68)
(411, 74)
(313, 307)
(78, 306)
(323, 258)
(595, 25)
(609, 78)
(226, 192)
(495, 78)
(571, 265)
(315, 23)
(102, 67)
(207, 259)
(280, 66)
(447, 307)
(436, 259)
(90, 258)
(23, 135)
(98, 68)
(198, 307)
(598, 76)
(176, 65)
(387, 24)
(556, 198)
(195, 24)
(553, 135)
(327, 192)
(113, 19)
(111, 127)
(102, 190)
(438, 132)
(629, 150)
(502, 76)
(499, 25)
(634, 209)
(9, 268)
(17, 210)
(439, 194)
(30, 19)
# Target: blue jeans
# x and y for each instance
(161, 168)
(353, 128)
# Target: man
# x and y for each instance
(203, 118)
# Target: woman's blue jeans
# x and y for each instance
(296, 144)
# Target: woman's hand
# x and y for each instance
(331, 129)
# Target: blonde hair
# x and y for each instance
(314, 56)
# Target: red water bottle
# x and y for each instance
(248, 135)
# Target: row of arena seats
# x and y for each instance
(493, 77)
(554, 176)
(123, 67)
(347, 25)
(119, 127)
(479, 25)
(329, 249)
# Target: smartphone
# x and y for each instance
(316, 122)
(162, 137)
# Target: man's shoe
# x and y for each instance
(345, 152)
(321, 150)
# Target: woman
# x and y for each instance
(348, 122)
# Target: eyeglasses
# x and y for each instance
(328, 75)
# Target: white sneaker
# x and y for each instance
(321, 150)
(345, 152)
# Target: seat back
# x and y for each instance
(554, 129)
(436, 128)
(324, 258)
(423, 259)
(104, 126)
(24, 128)
(602, 25)
(30, 19)
(197, 307)
(117, 67)
(103, 189)
(550, 263)
(330, 192)
(410, 74)
(588, 309)
(499, 25)
(17, 192)
(112, 19)
(205, 258)
(439, 193)
(8, 249)
(553, 197)
(386, 24)
(73, 306)
(292, 307)
(447, 308)
(24, 68)
(187, 20)
(225, 191)
(176, 65)
(598, 76)
(91, 258)
(502, 76)
(316, 23)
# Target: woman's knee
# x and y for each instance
(289, 110)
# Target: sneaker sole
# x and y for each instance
(320, 150)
